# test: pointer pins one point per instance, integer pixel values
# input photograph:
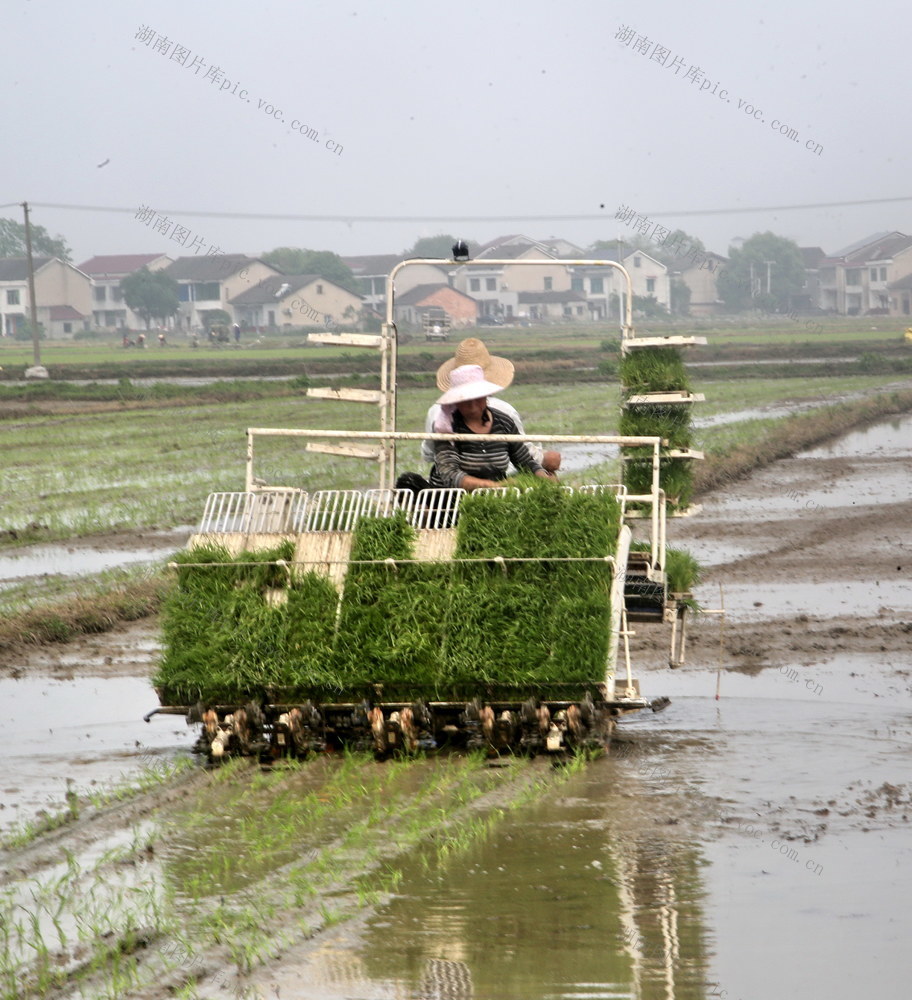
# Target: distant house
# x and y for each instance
(61, 322)
(413, 305)
(566, 304)
(606, 289)
(63, 296)
(109, 311)
(901, 296)
(701, 276)
(497, 288)
(372, 270)
(809, 297)
(293, 300)
(857, 279)
(211, 282)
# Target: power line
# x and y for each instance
(783, 208)
(290, 217)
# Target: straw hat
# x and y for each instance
(468, 382)
(473, 352)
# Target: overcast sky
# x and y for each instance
(485, 109)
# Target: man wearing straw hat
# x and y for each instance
(497, 370)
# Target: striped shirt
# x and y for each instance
(484, 459)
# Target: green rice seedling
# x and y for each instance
(671, 421)
(224, 641)
(657, 369)
(389, 627)
(682, 571)
(529, 624)
(675, 478)
(439, 630)
(653, 369)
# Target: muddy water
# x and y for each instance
(745, 842)
(62, 560)
(87, 730)
(751, 846)
(84, 556)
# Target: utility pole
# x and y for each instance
(33, 305)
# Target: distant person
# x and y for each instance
(237, 334)
(161, 340)
(141, 340)
(472, 351)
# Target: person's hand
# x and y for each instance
(551, 460)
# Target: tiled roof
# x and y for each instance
(64, 312)
(415, 296)
(275, 288)
(513, 251)
(500, 241)
(212, 267)
(372, 265)
(116, 265)
(574, 253)
(887, 248)
(812, 256)
(901, 284)
(16, 268)
(853, 248)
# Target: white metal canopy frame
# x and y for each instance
(655, 498)
(384, 449)
(390, 339)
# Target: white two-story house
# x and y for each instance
(109, 311)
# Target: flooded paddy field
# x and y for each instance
(747, 846)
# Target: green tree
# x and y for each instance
(679, 293)
(649, 306)
(763, 273)
(12, 241)
(151, 294)
(24, 331)
(325, 263)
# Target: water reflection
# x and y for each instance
(573, 898)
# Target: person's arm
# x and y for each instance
(519, 452)
(427, 447)
(522, 458)
(449, 470)
(496, 403)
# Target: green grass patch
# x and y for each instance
(98, 608)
